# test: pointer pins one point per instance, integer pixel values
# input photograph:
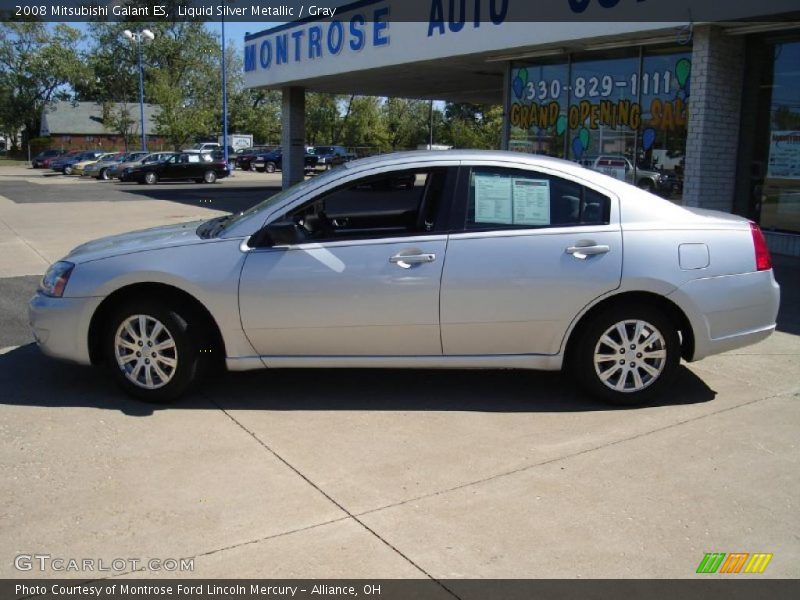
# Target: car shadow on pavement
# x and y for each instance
(28, 378)
(218, 197)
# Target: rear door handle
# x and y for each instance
(583, 252)
(406, 261)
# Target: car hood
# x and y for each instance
(136, 241)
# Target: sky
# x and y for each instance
(234, 31)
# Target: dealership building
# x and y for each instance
(706, 113)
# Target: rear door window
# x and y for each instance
(501, 198)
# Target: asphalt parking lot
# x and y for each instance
(374, 474)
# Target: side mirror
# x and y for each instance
(281, 233)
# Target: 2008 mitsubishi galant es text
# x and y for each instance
(458, 259)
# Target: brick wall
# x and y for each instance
(715, 108)
(111, 143)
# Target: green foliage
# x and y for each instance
(182, 64)
(38, 64)
(473, 126)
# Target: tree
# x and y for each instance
(363, 125)
(38, 63)
(120, 118)
(322, 118)
(473, 125)
(407, 122)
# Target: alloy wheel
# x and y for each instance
(630, 356)
(145, 352)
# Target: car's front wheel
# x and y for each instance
(627, 354)
(150, 178)
(209, 177)
(67, 170)
(153, 351)
(103, 174)
(270, 167)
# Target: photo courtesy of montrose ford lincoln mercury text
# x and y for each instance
(458, 259)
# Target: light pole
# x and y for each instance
(224, 100)
(139, 37)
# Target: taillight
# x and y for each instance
(763, 259)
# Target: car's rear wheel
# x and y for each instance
(103, 174)
(209, 177)
(269, 167)
(150, 178)
(153, 352)
(67, 170)
(627, 354)
(251, 167)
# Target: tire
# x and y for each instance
(251, 167)
(647, 185)
(269, 167)
(103, 175)
(150, 178)
(67, 170)
(174, 368)
(210, 177)
(631, 377)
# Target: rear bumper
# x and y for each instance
(730, 311)
(61, 326)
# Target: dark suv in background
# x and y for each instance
(273, 161)
(244, 159)
(331, 156)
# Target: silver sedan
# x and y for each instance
(459, 259)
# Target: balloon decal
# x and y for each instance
(561, 124)
(580, 143)
(648, 138)
(682, 70)
(577, 148)
(584, 137)
(519, 83)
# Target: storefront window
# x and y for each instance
(780, 208)
(539, 109)
(623, 113)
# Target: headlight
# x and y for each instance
(56, 278)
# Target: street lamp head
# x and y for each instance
(148, 34)
(127, 33)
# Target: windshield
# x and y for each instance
(218, 225)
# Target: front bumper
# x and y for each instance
(60, 326)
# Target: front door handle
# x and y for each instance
(583, 252)
(406, 261)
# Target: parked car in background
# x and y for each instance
(42, 160)
(79, 167)
(185, 165)
(244, 158)
(331, 156)
(121, 171)
(619, 166)
(273, 161)
(99, 169)
(203, 147)
(57, 163)
(489, 260)
(67, 165)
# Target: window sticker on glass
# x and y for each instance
(493, 199)
(531, 201)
